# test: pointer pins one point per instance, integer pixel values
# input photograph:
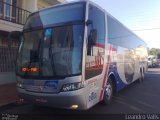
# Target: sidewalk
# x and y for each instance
(8, 94)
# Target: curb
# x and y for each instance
(5, 104)
(15, 102)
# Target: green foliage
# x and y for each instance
(155, 52)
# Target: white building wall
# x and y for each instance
(9, 26)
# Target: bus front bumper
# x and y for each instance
(68, 100)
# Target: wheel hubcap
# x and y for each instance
(108, 91)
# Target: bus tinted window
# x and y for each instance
(61, 14)
(95, 53)
(98, 19)
(121, 36)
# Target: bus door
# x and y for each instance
(94, 62)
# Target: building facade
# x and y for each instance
(46, 3)
(13, 15)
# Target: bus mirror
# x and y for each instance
(89, 22)
(91, 41)
(93, 36)
(14, 35)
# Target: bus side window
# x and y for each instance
(96, 42)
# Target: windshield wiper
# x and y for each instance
(52, 62)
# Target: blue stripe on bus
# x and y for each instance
(119, 83)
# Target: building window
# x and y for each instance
(1, 9)
(8, 9)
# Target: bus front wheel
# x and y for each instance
(108, 93)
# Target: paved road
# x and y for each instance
(136, 98)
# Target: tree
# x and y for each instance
(154, 51)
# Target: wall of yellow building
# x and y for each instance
(46, 3)
(30, 5)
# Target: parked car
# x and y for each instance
(153, 61)
(158, 60)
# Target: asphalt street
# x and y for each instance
(138, 98)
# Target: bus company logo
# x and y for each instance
(51, 84)
(92, 96)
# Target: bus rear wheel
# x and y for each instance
(108, 93)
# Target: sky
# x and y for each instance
(140, 16)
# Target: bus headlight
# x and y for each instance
(72, 86)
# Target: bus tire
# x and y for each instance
(108, 93)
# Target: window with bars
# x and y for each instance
(7, 55)
(10, 12)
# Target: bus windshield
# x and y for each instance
(52, 42)
(52, 52)
(56, 15)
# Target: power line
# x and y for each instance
(139, 20)
(146, 29)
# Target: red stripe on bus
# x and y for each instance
(104, 79)
(103, 84)
(100, 45)
(94, 67)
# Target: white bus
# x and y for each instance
(76, 55)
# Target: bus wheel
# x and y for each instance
(108, 93)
